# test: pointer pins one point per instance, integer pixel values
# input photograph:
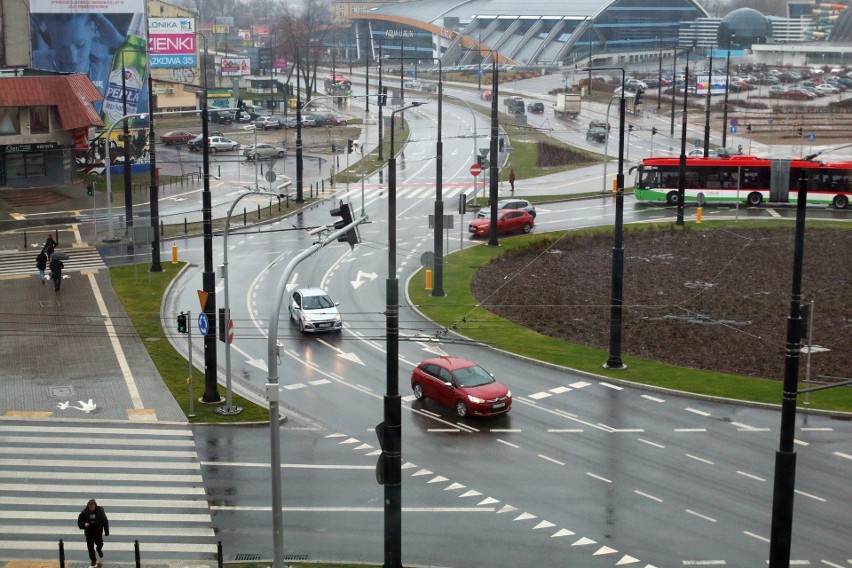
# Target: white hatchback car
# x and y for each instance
(263, 152)
(313, 311)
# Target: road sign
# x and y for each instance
(475, 170)
(270, 176)
(230, 331)
(698, 142)
(811, 137)
(734, 122)
(733, 130)
(203, 324)
(202, 298)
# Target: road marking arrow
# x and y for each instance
(343, 354)
(367, 275)
(258, 363)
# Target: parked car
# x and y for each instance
(222, 116)
(243, 116)
(633, 84)
(288, 122)
(340, 120)
(827, 89)
(797, 93)
(508, 221)
(537, 107)
(324, 120)
(698, 153)
(215, 143)
(485, 212)
(429, 87)
(462, 385)
(263, 152)
(596, 134)
(177, 137)
(255, 111)
(313, 311)
(308, 120)
(776, 91)
(267, 122)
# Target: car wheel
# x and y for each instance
(302, 326)
(527, 227)
(840, 202)
(461, 408)
(255, 157)
(213, 149)
(671, 198)
(234, 148)
(281, 154)
(754, 199)
(418, 391)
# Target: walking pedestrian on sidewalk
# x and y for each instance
(49, 246)
(56, 267)
(94, 523)
(512, 179)
(41, 264)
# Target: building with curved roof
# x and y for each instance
(531, 33)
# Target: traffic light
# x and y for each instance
(241, 104)
(805, 315)
(502, 143)
(334, 148)
(637, 100)
(350, 146)
(388, 472)
(90, 189)
(383, 96)
(748, 127)
(653, 130)
(222, 326)
(181, 323)
(344, 211)
(629, 128)
(799, 131)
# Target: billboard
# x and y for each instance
(101, 38)
(717, 83)
(235, 66)
(172, 42)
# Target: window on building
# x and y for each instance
(9, 121)
(39, 120)
(31, 164)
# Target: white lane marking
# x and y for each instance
(562, 532)
(539, 395)
(290, 465)
(704, 563)
(524, 517)
(116, 546)
(696, 411)
(100, 489)
(688, 430)
(746, 428)
(564, 430)
(803, 494)
(101, 441)
(758, 537)
(657, 499)
(801, 443)
(544, 457)
(610, 386)
(560, 390)
(509, 430)
(750, 476)
(444, 430)
(806, 429)
(656, 445)
(700, 516)
(708, 462)
(604, 479)
(652, 398)
(357, 510)
(295, 386)
(508, 444)
(842, 455)
(579, 384)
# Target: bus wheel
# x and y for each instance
(754, 199)
(671, 198)
(840, 202)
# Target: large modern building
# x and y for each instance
(531, 33)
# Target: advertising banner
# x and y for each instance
(717, 87)
(235, 66)
(105, 39)
(172, 42)
(259, 30)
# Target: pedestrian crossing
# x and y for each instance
(412, 190)
(21, 263)
(147, 477)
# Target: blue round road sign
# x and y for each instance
(203, 323)
(811, 137)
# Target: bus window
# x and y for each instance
(648, 178)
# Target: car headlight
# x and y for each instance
(509, 394)
(337, 317)
(307, 319)
(474, 399)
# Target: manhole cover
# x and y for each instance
(247, 557)
(61, 392)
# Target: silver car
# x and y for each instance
(314, 311)
(263, 152)
(521, 204)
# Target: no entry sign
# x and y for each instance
(475, 170)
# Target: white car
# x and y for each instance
(263, 152)
(825, 88)
(314, 311)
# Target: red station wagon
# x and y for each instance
(460, 384)
(508, 221)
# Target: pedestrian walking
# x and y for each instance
(512, 179)
(95, 525)
(41, 264)
(56, 267)
(49, 246)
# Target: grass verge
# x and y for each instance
(460, 312)
(141, 293)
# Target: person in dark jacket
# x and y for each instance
(93, 521)
(41, 264)
(56, 267)
(49, 246)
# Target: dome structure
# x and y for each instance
(743, 28)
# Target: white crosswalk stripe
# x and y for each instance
(49, 470)
(19, 263)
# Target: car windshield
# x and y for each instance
(317, 303)
(473, 376)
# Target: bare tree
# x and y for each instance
(300, 35)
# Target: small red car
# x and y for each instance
(485, 95)
(460, 384)
(508, 221)
(177, 137)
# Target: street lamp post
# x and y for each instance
(707, 110)
(381, 105)
(606, 141)
(727, 88)
(674, 88)
(121, 120)
(614, 361)
(153, 191)
(392, 400)
(660, 80)
(681, 182)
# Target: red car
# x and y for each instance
(177, 137)
(485, 95)
(800, 94)
(460, 384)
(508, 221)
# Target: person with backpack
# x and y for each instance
(56, 267)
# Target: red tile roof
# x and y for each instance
(73, 96)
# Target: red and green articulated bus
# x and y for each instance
(744, 179)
